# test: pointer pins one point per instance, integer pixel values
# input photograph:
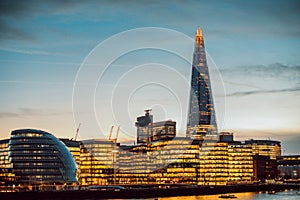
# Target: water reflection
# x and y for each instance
(286, 195)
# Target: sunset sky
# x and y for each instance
(254, 44)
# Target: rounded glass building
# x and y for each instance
(38, 157)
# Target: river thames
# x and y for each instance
(285, 195)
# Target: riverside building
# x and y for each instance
(39, 157)
(270, 148)
(289, 167)
(98, 162)
(160, 162)
(224, 163)
(6, 175)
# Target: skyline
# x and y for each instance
(44, 44)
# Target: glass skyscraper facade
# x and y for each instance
(201, 113)
(39, 157)
(98, 160)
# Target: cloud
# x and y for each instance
(29, 112)
(13, 13)
(8, 32)
(30, 52)
(258, 79)
(29, 8)
(275, 70)
(36, 82)
(263, 92)
(261, 79)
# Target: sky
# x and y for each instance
(46, 46)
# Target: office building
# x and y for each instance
(74, 148)
(240, 163)
(201, 113)
(269, 148)
(264, 168)
(38, 157)
(223, 163)
(98, 162)
(144, 127)
(289, 167)
(226, 137)
(160, 162)
(6, 175)
(149, 131)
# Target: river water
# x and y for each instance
(285, 195)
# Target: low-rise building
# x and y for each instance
(269, 148)
(264, 168)
(289, 166)
(223, 163)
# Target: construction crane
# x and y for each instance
(110, 132)
(117, 134)
(77, 131)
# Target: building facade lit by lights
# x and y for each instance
(74, 148)
(160, 162)
(201, 113)
(39, 157)
(6, 175)
(223, 163)
(98, 162)
(270, 148)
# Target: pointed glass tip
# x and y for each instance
(199, 31)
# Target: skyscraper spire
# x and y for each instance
(199, 32)
(199, 37)
(201, 114)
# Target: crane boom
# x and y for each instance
(117, 135)
(77, 131)
(111, 129)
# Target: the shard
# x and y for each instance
(201, 114)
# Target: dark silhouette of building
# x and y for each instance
(201, 113)
(264, 168)
(226, 137)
